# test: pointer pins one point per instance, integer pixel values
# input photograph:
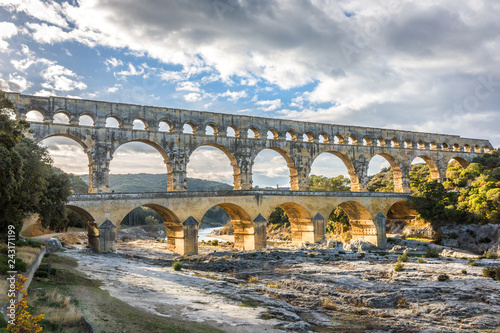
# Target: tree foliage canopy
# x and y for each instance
(28, 183)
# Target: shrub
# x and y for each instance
(472, 263)
(177, 266)
(420, 260)
(492, 272)
(431, 253)
(399, 267)
(490, 255)
(253, 279)
(403, 258)
(443, 277)
(464, 271)
(215, 242)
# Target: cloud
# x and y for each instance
(7, 30)
(59, 78)
(132, 71)
(269, 105)
(112, 63)
(192, 97)
(234, 96)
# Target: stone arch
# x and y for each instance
(307, 137)
(253, 133)
(456, 147)
(486, 149)
(432, 166)
(110, 119)
(86, 216)
(92, 229)
(163, 123)
(445, 146)
(381, 142)
(136, 126)
(302, 226)
(462, 161)
(191, 125)
(248, 235)
(234, 129)
(37, 113)
(363, 226)
(157, 147)
(395, 143)
(87, 114)
(213, 127)
(80, 139)
(232, 159)
(408, 144)
(272, 134)
(400, 214)
(421, 144)
(433, 145)
(399, 186)
(477, 149)
(353, 140)
(294, 182)
(401, 211)
(323, 138)
(61, 113)
(467, 148)
(291, 135)
(338, 139)
(367, 141)
(178, 238)
(347, 163)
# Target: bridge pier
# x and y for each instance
(182, 238)
(250, 235)
(370, 231)
(102, 238)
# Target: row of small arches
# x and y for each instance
(62, 117)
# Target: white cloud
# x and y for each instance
(7, 30)
(270, 105)
(234, 96)
(112, 63)
(114, 88)
(132, 71)
(192, 97)
(188, 86)
(59, 78)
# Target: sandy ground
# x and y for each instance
(165, 292)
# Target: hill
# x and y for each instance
(144, 182)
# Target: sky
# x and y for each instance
(424, 65)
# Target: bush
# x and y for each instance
(403, 258)
(472, 263)
(420, 260)
(399, 267)
(464, 272)
(215, 242)
(492, 272)
(431, 253)
(177, 266)
(443, 277)
(490, 255)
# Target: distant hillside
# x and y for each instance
(144, 182)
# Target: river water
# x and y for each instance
(204, 234)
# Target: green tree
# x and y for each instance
(279, 217)
(322, 183)
(28, 184)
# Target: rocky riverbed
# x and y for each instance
(309, 289)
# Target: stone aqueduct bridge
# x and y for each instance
(298, 142)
